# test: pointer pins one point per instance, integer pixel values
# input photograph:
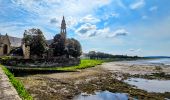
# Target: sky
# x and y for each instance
(128, 27)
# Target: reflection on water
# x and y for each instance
(150, 85)
(104, 95)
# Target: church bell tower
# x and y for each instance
(63, 28)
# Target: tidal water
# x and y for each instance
(158, 86)
(104, 95)
(160, 61)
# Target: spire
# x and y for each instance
(63, 28)
(63, 24)
(63, 18)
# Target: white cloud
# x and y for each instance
(117, 33)
(137, 5)
(46, 12)
(110, 15)
(121, 4)
(154, 8)
(89, 19)
(89, 30)
(86, 30)
(60, 7)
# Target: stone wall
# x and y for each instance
(55, 62)
(7, 91)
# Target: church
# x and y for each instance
(8, 43)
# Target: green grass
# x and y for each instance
(85, 63)
(17, 84)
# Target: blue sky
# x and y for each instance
(132, 27)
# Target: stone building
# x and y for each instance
(63, 29)
(7, 43)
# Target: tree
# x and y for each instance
(36, 40)
(58, 45)
(73, 48)
(92, 54)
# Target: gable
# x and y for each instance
(15, 42)
(4, 40)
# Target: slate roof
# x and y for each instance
(15, 42)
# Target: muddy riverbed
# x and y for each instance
(108, 77)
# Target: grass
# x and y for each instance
(85, 63)
(17, 84)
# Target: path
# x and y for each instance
(7, 91)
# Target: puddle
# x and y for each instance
(159, 86)
(104, 95)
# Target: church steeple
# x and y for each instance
(63, 28)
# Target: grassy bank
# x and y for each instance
(85, 63)
(17, 84)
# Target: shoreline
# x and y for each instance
(108, 76)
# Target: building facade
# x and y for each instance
(5, 45)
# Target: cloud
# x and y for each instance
(48, 13)
(134, 50)
(137, 5)
(121, 4)
(89, 30)
(154, 8)
(54, 21)
(118, 33)
(89, 19)
(86, 30)
(112, 15)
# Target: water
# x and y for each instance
(159, 86)
(104, 95)
(165, 61)
(160, 61)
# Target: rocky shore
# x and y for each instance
(108, 76)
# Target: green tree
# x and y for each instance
(36, 40)
(58, 45)
(73, 48)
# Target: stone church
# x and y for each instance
(7, 43)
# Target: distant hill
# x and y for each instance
(157, 57)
